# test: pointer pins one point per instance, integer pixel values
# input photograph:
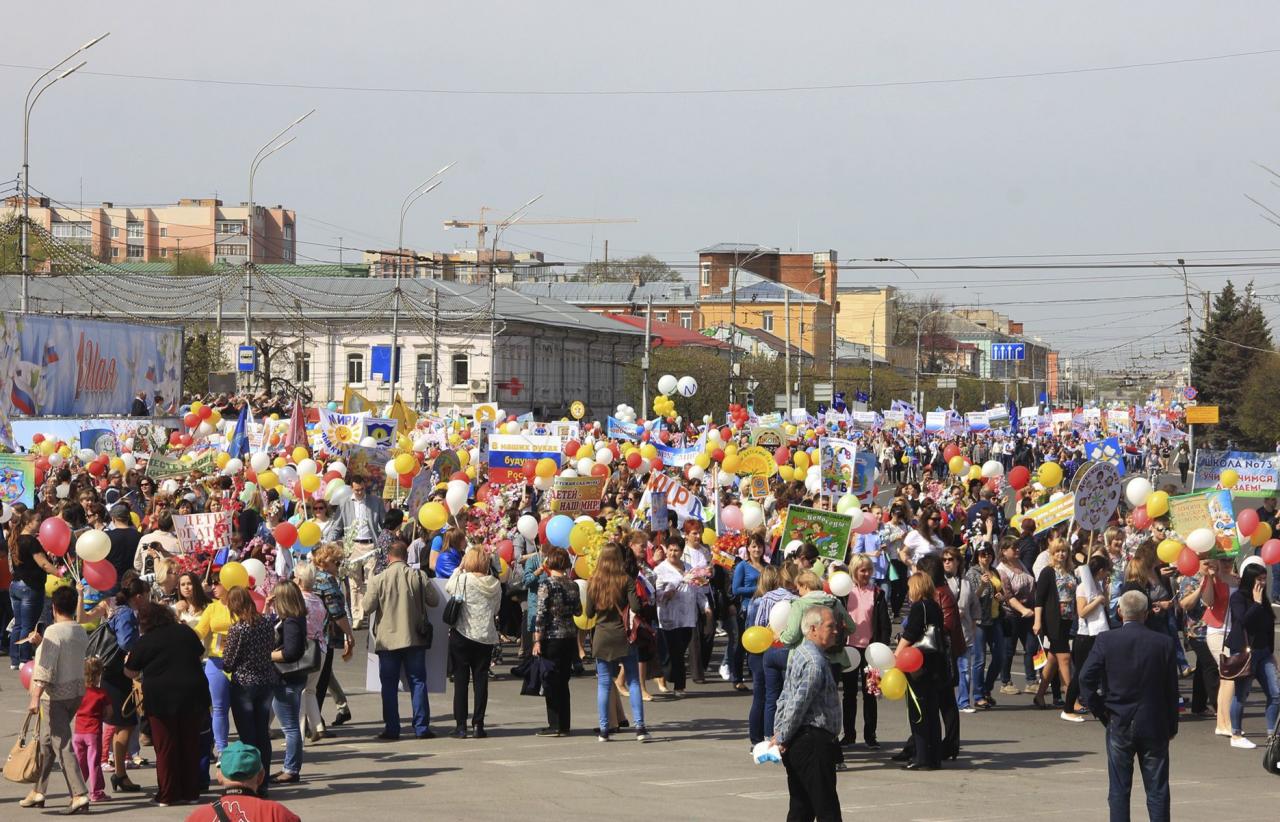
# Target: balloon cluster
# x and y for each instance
(893, 667)
(625, 413)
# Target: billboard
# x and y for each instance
(65, 366)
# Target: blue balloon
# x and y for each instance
(333, 406)
(558, 530)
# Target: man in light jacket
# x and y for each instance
(397, 602)
(362, 517)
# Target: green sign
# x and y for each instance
(18, 479)
(161, 467)
(828, 531)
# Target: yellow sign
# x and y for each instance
(1052, 513)
(1202, 415)
(757, 460)
(484, 412)
(577, 410)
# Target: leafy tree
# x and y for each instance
(191, 264)
(642, 269)
(11, 247)
(202, 355)
(1259, 413)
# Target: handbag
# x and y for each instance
(311, 660)
(103, 645)
(132, 705)
(1271, 756)
(453, 608)
(427, 629)
(1236, 666)
(929, 643)
(23, 763)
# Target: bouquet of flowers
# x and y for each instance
(727, 549)
(700, 576)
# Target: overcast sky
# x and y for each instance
(1150, 162)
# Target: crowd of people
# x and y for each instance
(190, 655)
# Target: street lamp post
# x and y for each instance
(28, 104)
(493, 294)
(263, 153)
(757, 252)
(919, 329)
(419, 191)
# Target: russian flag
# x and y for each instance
(22, 401)
(50, 354)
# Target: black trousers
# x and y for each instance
(950, 712)
(1080, 648)
(854, 683)
(470, 664)
(926, 729)
(677, 644)
(810, 760)
(555, 686)
(1204, 687)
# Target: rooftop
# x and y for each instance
(629, 294)
(736, 248)
(669, 335)
(761, 290)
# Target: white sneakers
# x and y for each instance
(1242, 742)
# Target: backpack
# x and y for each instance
(103, 645)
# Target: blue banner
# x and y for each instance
(64, 366)
(1107, 450)
(619, 430)
(678, 457)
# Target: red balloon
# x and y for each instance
(483, 491)
(718, 455)
(909, 659)
(725, 434)
(952, 450)
(634, 459)
(259, 601)
(406, 480)
(571, 448)
(286, 534)
(205, 412)
(55, 536)
(185, 440)
(1271, 551)
(542, 530)
(1188, 562)
(945, 519)
(175, 439)
(42, 464)
(530, 469)
(1141, 519)
(599, 470)
(462, 475)
(782, 456)
(665, 436)
(656, 463)
(644, 437)
(191, 420)
(1019, 477)
(24, 673)
(37, 438)
(100, 575)
(613, 447)
(507, 550)
(1247, 521)
(330, 476)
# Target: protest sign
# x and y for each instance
(1107, 450)
(382, 430)
(935, 422)
(678, 457)
(161, 467)
(1052, 513)
(755, 486)
(1258, 471)
(509, 452)
(210, 531)
(658, 519)
(1208, 509)
(678, 498)
(619, 430)
(976, 421)
(1096, 488)
(18, 479)
(756, 460)
(894, 419)
(577, 495)
(826, 530)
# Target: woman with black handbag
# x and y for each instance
(924, 629)
(555, 637)
(1251, 642)
(295, 656)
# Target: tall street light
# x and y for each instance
(757, 252)
(919, 329)
(511, 220)
(27, 105)
(268, 148)
(419, 191)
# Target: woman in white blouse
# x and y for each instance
(679, 600)
(1091, 620)
(922, 540)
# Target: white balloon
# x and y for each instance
(369, 442)
(687, 386)
(696, 473)
(1137, 490)
(333, 487)
(86, 455)
(846, 503)
(527, 525)
(204, 430)
(880, 657)
(6, 512)
(856, 516)
(455, 497)
(288, 476)
(1057, 495)
(55, 460)
(582, 589)
(422, 445)
(341, 496)
(63, 490)
(667, 384)
(726, 479)
(779, 616)
(307, 467)
(992, 468)
(584, 518)
(584, 467)
(604, 456)
(840, 583)
(792, 546)
(855, 658)
(260, 462)
(813, 483)
(233, 467)
(752, 518)
(713, 433)
(543, 483)
(390, 469)
(1201, 540)
(93, 546)
(169, 487)
(130, 462)
(257, 571)
(568, 473)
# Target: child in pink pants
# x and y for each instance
(86, 740)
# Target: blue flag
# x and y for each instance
(238, 445)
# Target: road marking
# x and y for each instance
(601, 771)
(513, 762)
(676, 783)
(764, 795)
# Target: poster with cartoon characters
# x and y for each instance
(826, 530)
(18, 479)
(1207, 509)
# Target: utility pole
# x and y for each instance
(1186, 289)
(419, 191)
(433, 397)
(606, 277)
(493, 292)
(648, 332)
(786, 309)
(871, 364)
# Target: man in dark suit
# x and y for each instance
(1130, 682)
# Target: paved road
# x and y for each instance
(1017, 762)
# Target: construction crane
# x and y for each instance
(482, 224)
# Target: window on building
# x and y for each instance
(164, 232)
(231, 249)
(288, 231)
(115, 232)
(766, 320)
(134, 230)
(302, 368)
(660, 316)
(355, 369)
(79, 232)
(424, 372)
(686, 319)
(164, 252)
(115, 252)
(230, 227)
(133, 251)
(461, 370)
(706, 273)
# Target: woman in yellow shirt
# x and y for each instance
(214, 623)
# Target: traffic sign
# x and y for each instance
(1008, 351)
(946, 382)
(1202, 415)
(822, 391)
(1190, 392)
(248, 360)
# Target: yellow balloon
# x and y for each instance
(786, 472)
(299, 454)
(546, 468)
(1157, 503)
(65, 452)
(433, 516)
(708, 536)
(583, 623)
(215, 417)
(649, 451)
(1051, 474)
(757, 639)
(222, 459)
(470, 471)
(1260, 535)
(975, 472)
(583, 567)
(233, 575)
(731, 448)
(268, 480)
(196, 406)
(1229, 478)
(801, 459)
(311, 483)
(588, 452)
(956, 464)
(893, 684)
(455, 440)
(702, 461)
(906, 460)
(308, 533)
(731, 463)
(1168, 550)
(464, 457)
(135, 519)
(580, 535)
(279, 462)
(117, 464)
(53, 582)
(406, 464)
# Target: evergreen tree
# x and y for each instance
(1228, 352)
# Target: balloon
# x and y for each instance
(992, 468)
(1050, 474)
(339, 467)
(950, 452)
(1201, 540)
(1270, 552)
(306, 467)
(854, 658)
(286, 534)
(92, 546)
(752, 517)
(55, 536)
(233, 575)
(956, 464)
(801, 460)
(308, 533)
(731, 517)
(708, 536)
(100, 575)
(268, 480)
(546, 468)
(1188, 562)
(757, 639)
(310, 483)
(582, 567)
(1141, 519)
(24, 673)
(731, 464)
(879, 656)
(405, 464)
(869, 524)
(260, 462)
(779, 617)
(1247, 521)
(527, 525)
(299, 454)
(1158, 504)
(583, 623)
(909, 659)
(1168, 550)
(507, 550)
(687, 386)
(433, 516)
(1229, 478)
(1260, 535)
(257, 571)
(558, 530)
(456, 495)
(1137, 490)
(841, 584)
(856, 516)
(847, 502)
(259, 601)
(893, 684)
(580, 535)
(668, 384)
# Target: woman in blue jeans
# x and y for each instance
(1253, 626)
(611, 595)
(746, 578)
(767, 669)
(286, 696)
(30, 566)
(247, 657)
